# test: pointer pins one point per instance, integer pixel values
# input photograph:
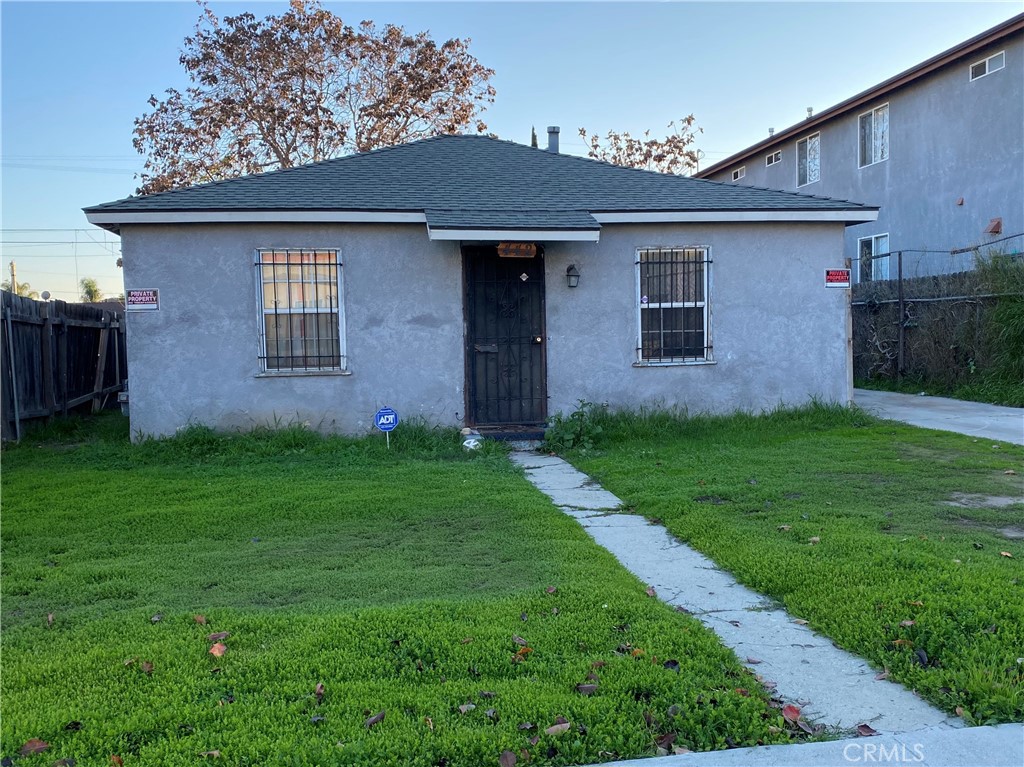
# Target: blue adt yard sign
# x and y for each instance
(385, 419)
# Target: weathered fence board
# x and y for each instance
(56, 356)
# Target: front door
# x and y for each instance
(506, 382)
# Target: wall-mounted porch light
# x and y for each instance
(572, 276)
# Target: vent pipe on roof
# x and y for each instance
(553, 131)
(810, 112)
(771, 132)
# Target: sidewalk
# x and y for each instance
(974, 419)
(833, 687)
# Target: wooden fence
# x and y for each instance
(55, 357)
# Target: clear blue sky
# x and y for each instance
(75, 75)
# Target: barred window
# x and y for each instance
(301, 324)
(673, 293)
(873, 128)
(808, 160)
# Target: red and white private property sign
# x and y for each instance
(142, 300)
(837, 278)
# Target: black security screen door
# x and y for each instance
(506, 381)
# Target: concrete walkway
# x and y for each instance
(974, 419)
(832, 686)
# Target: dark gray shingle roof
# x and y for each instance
(461, 173)
(512, 219)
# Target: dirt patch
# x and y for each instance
(967, 501)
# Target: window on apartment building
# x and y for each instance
(739, 173)
(773, 158)
(301, 322)
(987, 66)
(673, 294)
(874, 136)
(808, 160)
(874, 257)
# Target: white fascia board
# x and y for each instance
(708, 216)
(518, 235)
(259, 216)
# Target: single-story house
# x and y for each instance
(466, 280)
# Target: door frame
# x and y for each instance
(466, 251)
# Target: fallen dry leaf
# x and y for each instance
(907, 623)
(526, 726)
(1006, 554)
(218, 650)
(959, 710)
(865, 730)
(753, 661)
(665, 741)
(903, 642)
(467, 640)
(524, 651)
(465, 708)
(147, 667)
(586, 689)
(116, 760)
(790, 712)
(507, 759)
(49, 620)
(375, 719)
(784, 528)
(743, 691)
(215, 754)
(319, 693)
(651, 592)
(218, 636)
(34, 746)
(800, 621)
(157, 618)
(558, 729)
(519, 640)
(551, 589)
(916, 603)
(200, 619)
(883, 675)
(813, 540)
(680, 750)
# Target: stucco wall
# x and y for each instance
(779, 336)
(950, 138)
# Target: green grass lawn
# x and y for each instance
(844, 520)
(412, 582)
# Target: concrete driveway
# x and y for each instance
(971, 418)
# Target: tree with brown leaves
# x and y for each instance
(672, 154)
(301, 87)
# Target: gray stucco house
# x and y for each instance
(939, 148)
(468, 280)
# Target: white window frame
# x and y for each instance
(773, 158)
(989, 69)
(264, 354)
(705, 304)
(879, 266)
(740, 172)
(806, 142)
(873, 115)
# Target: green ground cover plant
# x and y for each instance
(846, 520)
(284, 598)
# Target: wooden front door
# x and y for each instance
(506, 379)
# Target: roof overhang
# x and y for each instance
(851, 216)
(473, 228)
(516, 235)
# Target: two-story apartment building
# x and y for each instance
(939, 147)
